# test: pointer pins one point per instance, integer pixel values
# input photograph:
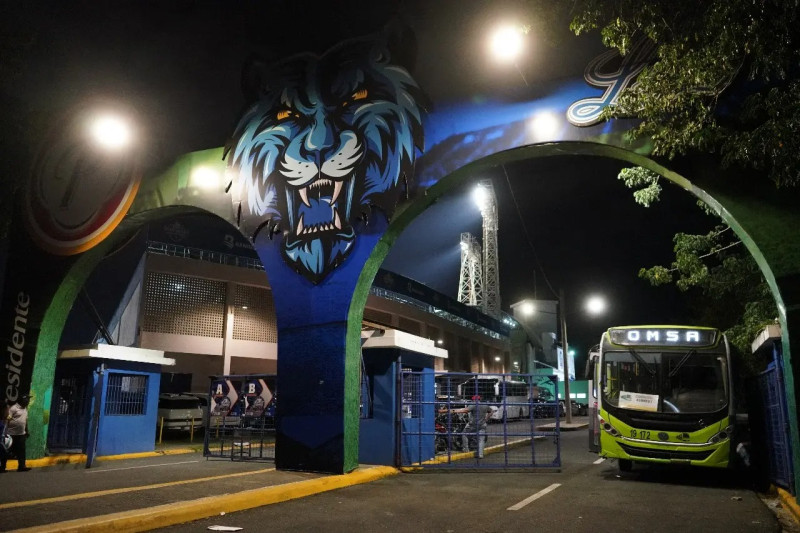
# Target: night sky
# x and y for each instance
(178, 65)
(588, 237)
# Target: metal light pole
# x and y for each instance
(565, 355)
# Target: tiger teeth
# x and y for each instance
(337, 189)
(337, 222)
(304, 196)
(302, 229)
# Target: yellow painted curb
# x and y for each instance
(180, 512)
(790, 503)
(81, 458)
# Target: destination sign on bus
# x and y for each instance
(662, 336)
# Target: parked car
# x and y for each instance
(180, 411)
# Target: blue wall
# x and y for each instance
(378, 443)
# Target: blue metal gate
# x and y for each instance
(467, 420)
(774, 417)
(240, 418)
(70, 412)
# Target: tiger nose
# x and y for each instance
(321, 135)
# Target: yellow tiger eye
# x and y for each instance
(360, 94)
(283, 114)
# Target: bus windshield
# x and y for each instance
(665, 382)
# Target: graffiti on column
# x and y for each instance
(326, 139)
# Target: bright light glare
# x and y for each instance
(527, 309)
(205, 178)
(481, 197)
(596, 305)
(111, 132)
(544, 125)
(497, 358)
(571, 352)
(506, 43)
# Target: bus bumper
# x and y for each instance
(709, 455)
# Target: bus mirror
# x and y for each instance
(589, 371)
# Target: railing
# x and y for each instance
(177, 250)
(441, 313)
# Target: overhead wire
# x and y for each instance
(528, 238)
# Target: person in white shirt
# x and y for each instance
(17, 427)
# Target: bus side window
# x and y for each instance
(591, 364)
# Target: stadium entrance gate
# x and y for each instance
(240, 417)
(454, 420)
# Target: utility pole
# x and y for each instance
(565, 355)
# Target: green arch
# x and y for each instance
(55, 317)
(739, 212)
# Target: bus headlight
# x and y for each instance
(722, 436)
(608, 428)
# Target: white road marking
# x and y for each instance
(529, 499)
(133, 467)
(599, 461)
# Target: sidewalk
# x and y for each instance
(80, 458)
(141, 492)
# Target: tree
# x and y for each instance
(733, 293)
(724, 80)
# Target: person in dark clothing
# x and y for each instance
(479, 414)
(4, 447)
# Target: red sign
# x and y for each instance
(77, 193)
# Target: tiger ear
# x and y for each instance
(254, 77)
(402, 43)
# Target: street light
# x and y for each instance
(527, 309)
(506, 44)
(110, 131)
(594, 305)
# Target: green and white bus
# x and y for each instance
(664, 395)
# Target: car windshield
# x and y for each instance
(666, 382)
(178, 403)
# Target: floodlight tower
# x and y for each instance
(470, 282)
(487, 203)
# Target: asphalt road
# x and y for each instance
(585, 495)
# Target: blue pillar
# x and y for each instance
(318, 371)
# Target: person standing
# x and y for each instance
(3, 449)
(479, 414)
(18, 429)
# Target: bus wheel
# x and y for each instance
(625, 465)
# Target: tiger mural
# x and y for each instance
(327, 138)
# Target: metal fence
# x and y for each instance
(240, 419)
(773, 417)
(467, 420)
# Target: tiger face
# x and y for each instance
(328, 137)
